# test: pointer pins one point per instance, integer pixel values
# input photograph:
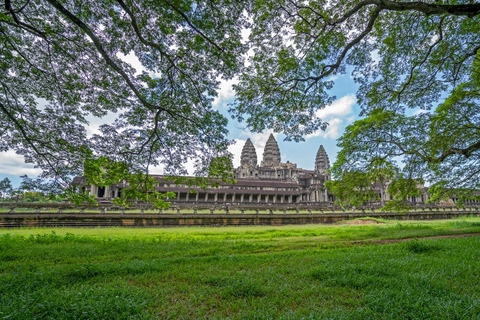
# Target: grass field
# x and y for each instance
(288, 272)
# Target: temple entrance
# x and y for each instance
(238, 198)
(101, 192)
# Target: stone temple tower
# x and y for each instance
(249, 155)
(271, 154)
(322, 164)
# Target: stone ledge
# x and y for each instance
(169, 220)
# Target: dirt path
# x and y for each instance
(359, 222)
(388, 241)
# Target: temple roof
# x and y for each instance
(249, 155)
(322, 163)
(271, 153)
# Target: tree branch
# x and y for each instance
(103, 53)
(467, 152)
(328, 69)
(469, 10)
(13, 13)
(25, 135)
(157, 47)
(192, 26)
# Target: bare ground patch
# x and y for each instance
(360, 222)
(388, 241)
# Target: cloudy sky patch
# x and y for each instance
(225, 93)
(338, 115)
(13, 164)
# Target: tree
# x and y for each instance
(61, 65)
(418, 69)
(358, 186)
(30, 190)
(382, 173)
(5, 187)
(353, 189)
(400, 189)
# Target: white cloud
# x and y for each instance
(156, 169)
(334, 77)
(13, 164)
(375, 56)
(333, 130)
(160, 169)
(340, 107)
(92, 128)
(236, 150)
(225, 92)
(351, 119)
(246, 34)
(133, 60)
(338, 114)
(419, 111)
(94, 123)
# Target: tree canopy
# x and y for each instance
(418, 69)
(62, 63)
(416, 63)
(5, 187)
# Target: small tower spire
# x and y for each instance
(249, 155)
(322, 164)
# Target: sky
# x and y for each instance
(339, 114)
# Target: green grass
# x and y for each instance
(287, 272)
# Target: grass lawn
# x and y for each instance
(287, 272)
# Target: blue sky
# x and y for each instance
(340, 114)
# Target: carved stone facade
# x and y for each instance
(308, 184)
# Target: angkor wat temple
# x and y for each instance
(274, 181)
(270, 182)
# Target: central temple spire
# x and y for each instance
(271, 153)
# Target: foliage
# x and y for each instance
(32, 190)
(439, 192)
(63, 66)
(220, 169)
(354, 189)
(400, 189)
(31, 196)
(361, 184)
(137, 186)
(141, 187)
(418, 69)
(5, 188)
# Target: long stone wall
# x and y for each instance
(326, 207)
(15, 220)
